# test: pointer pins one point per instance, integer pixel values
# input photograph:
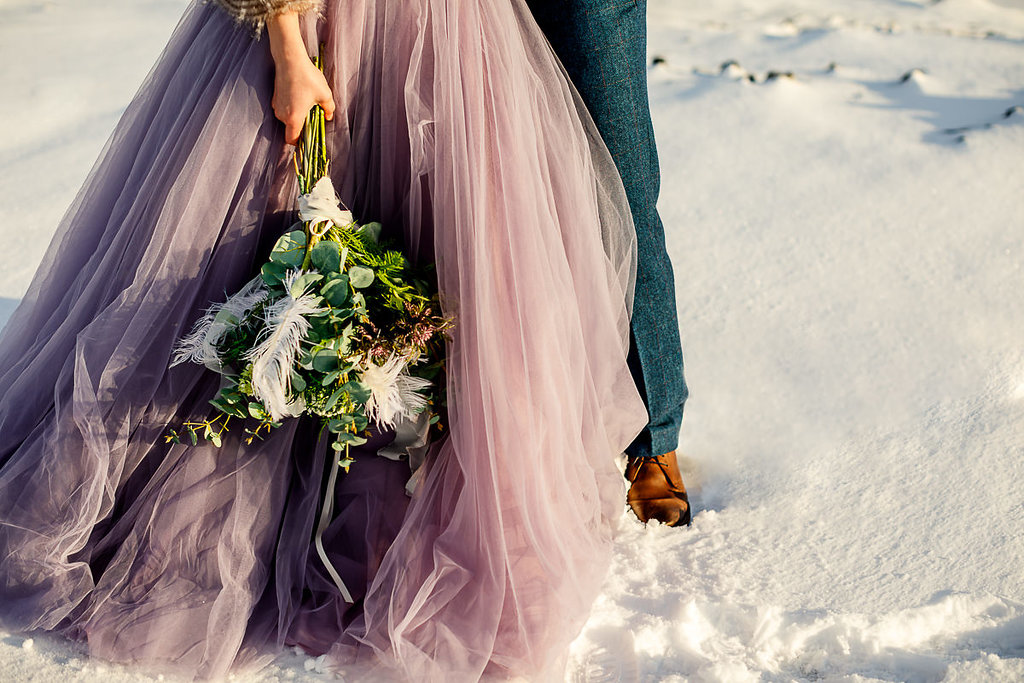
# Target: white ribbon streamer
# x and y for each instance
(410, 442)
(325, 516)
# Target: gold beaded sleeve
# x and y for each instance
(256, 12)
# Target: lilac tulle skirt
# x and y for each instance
(458, 130)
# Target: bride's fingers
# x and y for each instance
(325, 98)
(293, 128)
(328, 106)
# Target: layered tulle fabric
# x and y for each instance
(458, 130)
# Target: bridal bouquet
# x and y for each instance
(336, 325)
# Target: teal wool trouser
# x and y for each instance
(603, 45)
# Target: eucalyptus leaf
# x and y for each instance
(227, 406)
(359, 391)
(273, 273)
(290, 249)
(350, 438)
(343, 343)
(303, 282)
(326, 256)
(226, 317)
(336, 424)
(341, 421)
(360, 276)
(326, 360)
(331, 377)
(340, 315)
(298, 383)
(257, 410)
(336, 290)
(334, 397)
(340, 342)
(371, 231)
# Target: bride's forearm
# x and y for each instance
(286, 45)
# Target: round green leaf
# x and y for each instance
(371, 231)
(257, 410)
(360, 276)
(336, 290)
(326, 360)
(303, 282)
(290, 249)
(359, 391)
(273, 272)
(326, 256)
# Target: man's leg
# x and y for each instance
(603, 45)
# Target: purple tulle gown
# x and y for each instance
(456, 128)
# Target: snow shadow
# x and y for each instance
(951, 116)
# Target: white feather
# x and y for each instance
(274, 356)
(393, 391)
(200, 345)
(409, 386)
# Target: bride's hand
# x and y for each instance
(298, 84)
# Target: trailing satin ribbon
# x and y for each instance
(325, 515)
(410, 442)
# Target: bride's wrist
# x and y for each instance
(286, 45)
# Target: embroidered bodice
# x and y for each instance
(256, 12)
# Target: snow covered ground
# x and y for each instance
(843, 190)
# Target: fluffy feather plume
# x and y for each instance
(274, 356)
(393, 391)
(200, 345)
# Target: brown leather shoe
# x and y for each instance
(657, 490)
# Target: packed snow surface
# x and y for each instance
(843, 195)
